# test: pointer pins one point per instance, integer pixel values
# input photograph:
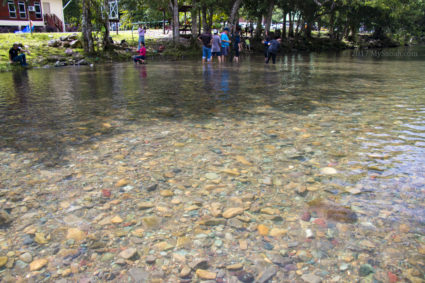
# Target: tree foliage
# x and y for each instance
(342, 18)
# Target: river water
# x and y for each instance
(310, 169)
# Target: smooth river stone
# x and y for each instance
(205, 274)
(3, 261)
(232, 212)
(211, 176)
(38, 264)
(328, 171)
(75, 234)
(128, 253)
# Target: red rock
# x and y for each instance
(392, 278)
(106, 193)
(306, 216)
(321, 222)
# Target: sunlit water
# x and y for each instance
(362, 115)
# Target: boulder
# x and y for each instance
(54, 43)
(66, 44)
(69, 52)
(77, 56)
(82, 62)
(60, 64)
(73, 36)
(63, 38)
(76, 44)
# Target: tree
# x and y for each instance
(174, 6)
(86, 27)
(269, 14)
(233, 14)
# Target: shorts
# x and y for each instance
(225, 50)
(236, 51)
(216, 53)
(206, 53)
(137, 58)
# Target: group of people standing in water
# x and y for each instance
(221, 45)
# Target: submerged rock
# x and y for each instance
(5, 218)
(333, 211)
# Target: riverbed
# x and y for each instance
(309, 170)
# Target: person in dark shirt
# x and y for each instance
(14, 55)
(273, 49)
(206, 39)
(236, 45)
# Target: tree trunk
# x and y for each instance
(210, 18)
(297, 29)
(163, 21)
(291, 24)
(106, 35)
(200, 21)
(258, 28)
(176, 26)
(284, 25)
(319, 26)
(204, 18)
(269, 15)
(233, 13)
(332, 25)
(194, 17)
(354, 28)
(86, 27)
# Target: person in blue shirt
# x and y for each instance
(225, 43)
(273, 49)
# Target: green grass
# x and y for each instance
(40, 52)
(35, 43)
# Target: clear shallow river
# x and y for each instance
(321, 159)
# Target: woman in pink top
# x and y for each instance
(142, 55)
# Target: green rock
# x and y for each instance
(107, 257)
(150, 222)
(365, 270)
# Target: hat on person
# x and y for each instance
(215, 31)
(226, 28)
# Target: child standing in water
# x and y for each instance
(142, 55)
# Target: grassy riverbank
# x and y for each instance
(41, 54)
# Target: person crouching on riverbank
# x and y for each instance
(206, 40)
(142, 55)
(14, 55)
